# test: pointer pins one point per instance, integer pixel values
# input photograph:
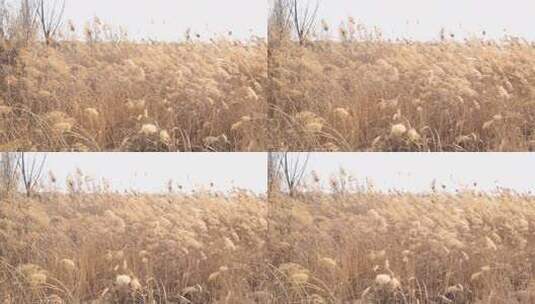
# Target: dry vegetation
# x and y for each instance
(132, 248)
(363, 92)
(110, 94)
(371, 247)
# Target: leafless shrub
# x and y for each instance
(50, 14)
(297, 17)
(31, 170)
(287, 170)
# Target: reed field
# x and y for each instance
(363, 92)
(371, 247)
(133, 248)
(107, 93)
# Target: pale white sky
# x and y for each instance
(423, 19)
(415, 171)
(169, 19)
(416, 19)
(149, 172)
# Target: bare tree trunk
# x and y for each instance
(28, 15)
(280, 21)
(274, 172)
(9, 175)
(4, 20)
(286, 18)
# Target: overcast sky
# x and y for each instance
(416, 19)
(149, 172)
(415, 171)
(169, 19)
(423, 19)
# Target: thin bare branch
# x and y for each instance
(50, 17)
(31, 175)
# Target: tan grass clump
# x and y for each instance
(474, 95)
(370, 247)
(118, 248)
(105, 95)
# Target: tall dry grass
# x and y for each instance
(370, 247)
(347, 245)
(133, 248)
(107, 93)
(362, 92)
